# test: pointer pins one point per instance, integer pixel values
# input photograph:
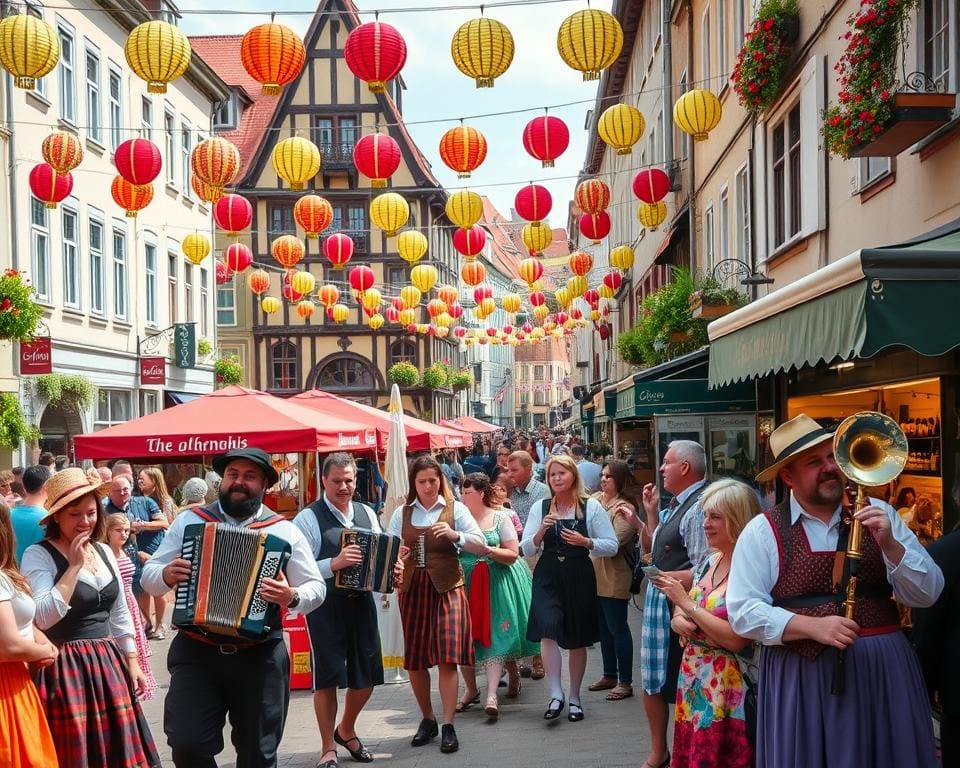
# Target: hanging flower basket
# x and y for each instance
(19, 314)
(404, 374)
(913, 116)
(711, 303)
(227, 371)
(461, 380)
(435, 377)
(762, 62)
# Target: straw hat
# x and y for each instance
(66, 486)
(791, 439)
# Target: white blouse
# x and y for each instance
(599, 528)
(22, 604)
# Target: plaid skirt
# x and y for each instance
(25, 740)
(94, 715)
(436, 627)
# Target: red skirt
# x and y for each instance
(25, 740)
(436, 627)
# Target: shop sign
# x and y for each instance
(660, 398)
(185, 345)
(36, 357)
(153, 371)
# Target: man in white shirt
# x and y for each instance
(344, 636)
(787, 585)
(213, 675)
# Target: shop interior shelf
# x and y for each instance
(920, 473)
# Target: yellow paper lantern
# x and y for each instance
(375, 322)
(621, 258)
(563, 297)
(697, 113)
(443, 320)
(157, 52)
(541, 312)
(511, 303)
(411, 296)
(464, 208)
(537, 333)
(606, 292)
(389, 212)
(340, 313)
(621, 126)
(372, 299)
(412, 245)
(595, 315)
(296, 160)
(423, 328)
(590, 41)
(652, 215)
(576, 286)
(29, 48)
(302, 282)
(270, 304)
(424, 277)
(488, 306)
(482, 49)
(536, 236)
(196, 247)
(407, 316)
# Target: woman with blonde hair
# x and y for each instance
(710, 727)
(566, 530)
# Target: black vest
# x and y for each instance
(330, 531)
(89, 614)
(669, 551)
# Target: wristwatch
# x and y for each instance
(296, 600)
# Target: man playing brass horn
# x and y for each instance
(785, 591)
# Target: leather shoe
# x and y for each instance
(448, 741)
(553, 712)
(427, 731)
(575, 714)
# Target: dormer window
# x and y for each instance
(225, 118)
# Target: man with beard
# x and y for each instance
(786, 591)
(213, 675)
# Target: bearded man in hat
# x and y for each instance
(786, 591)
(211, 675)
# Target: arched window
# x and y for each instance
(403, 351)
(345, 373)
(284, 372)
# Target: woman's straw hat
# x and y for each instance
(66, 486)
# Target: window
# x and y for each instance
(872, 169)
(69, 221)
(94, 120)
(281, 220)
(204, 298)
(168, 14)
(403, 351)
(283, 369)
(742, 183)
(68, 86)
(539, 397)
(225, 118)
(113, 407)
(938, 53)
(170, 143)
(786, 177)
(188, 291)
(97, 276)
(149, 402)
(724, 250)
(538, 373)
(36, 10)
(396, 279)
(705, 52)
(335, 136)
(681, 140)
(185, 147)
(146, 118)
(172, 287)
(345, 373)
(722, 73)
(40, 248)
(116, 109)
(708, 238)
(226, 304)
(150, 265)
(120, 273)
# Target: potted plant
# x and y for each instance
(14, 428)
(435, 377)
(204, 348)
(712, 301)
(227, 370)
(461, 380)
(403, 374)
(630, 346)
(19, 313)
(65, 390)
(763, 60)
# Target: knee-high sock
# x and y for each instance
(552, 666)
(578, 665)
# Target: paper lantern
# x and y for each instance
(436, 307)
(389, 212)
(485, 308)
(131, 197)
(592, 196)
(314, 214)
(463, 149)
(536, 236)
(530, 270)
(540, 312)
(377, 156)
(482, 49)
(621, 126)
(546, 138)
(537, 299)
(328, 295)
(491, 332)
(258, 281)
(511, 303)
(237, 257)
(270, 305)
(407, 316)
(595, 226)
(338, 248)
(233, 214)
(447, 294)
(375, 322)
(473, 273)
(371, 299)
(215, 161)
(590, 41)
(613, 281)
(289, 293)
(398, 303)
(459, 331)
(195, 247)
(62, 150)
(303, 282)
(580, 263)
(606, 292)
(563, 297)
(361, 279)
(273, 55)
(576, 286)
(560, 318)
(204, 191)
(652, 216)
(392, 314)
(296, 160)
(221, 272)
(288, 251)
(464, 208)
(48, 186)
(412, 245)
(651, 185)
(482, 292)
(424, 277)
(533, 203)
(470, 242)
(697, 113)
(411, 296)
(455, 310)
(306, 308)
(29, 48)
(138, 161)
(340, 313)
(157, 52)
(591, 297)
(375, 52)
(604, 331)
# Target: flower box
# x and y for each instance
(706, 308)
(915, 116)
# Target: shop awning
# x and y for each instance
(470, 424)
(643, 399)
(896, 296)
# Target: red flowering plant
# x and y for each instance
(867, 74)
(763, 59)
(19, 313)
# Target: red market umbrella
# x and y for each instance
(233, 417)
(469, 424)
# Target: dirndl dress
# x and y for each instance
(143, 645)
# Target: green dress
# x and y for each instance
(510, 589)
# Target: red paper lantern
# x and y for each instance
(470, 242)
(651, 185)
(131, 197)
(455, 310)
(580, 263)
(491, 332)
(398, 303)
(527, 328)
(591, 296)
(533, 202)
(595, 226)
(482, 292)
(459, 331)
(576, 314)
(377, 156)
(375, 52)
(138, 161)
(222, 272)
(361, 278)
(338, 248)
(537, 299)
(530, 270)
(48, 186)
(613, 281)
(604, 331)
(392, 314)
(561, 317)
(592, 196)
(290, 294)
(314, 214)
(463, 149)
(546, 138)
(473, 273)
(237, 257)
(507, 329)
(233, 214)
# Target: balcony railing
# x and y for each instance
(336, 155)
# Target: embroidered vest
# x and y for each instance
(425, 550)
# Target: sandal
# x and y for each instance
(513, 688)
(332, 763)
(464, 704)
(620, 692)
(664, 764)
(361, 754)
(491, 710)
(603, 684)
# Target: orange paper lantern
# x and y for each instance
(314, 214)
(463, 149)
(131, 197)
(592, 196)
(473, 273)
(215, 161)
(273, 55)
(62, 151)
(287, 250)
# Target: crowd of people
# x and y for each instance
(512, 557)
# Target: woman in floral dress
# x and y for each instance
(710, 727)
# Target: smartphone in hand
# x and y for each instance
(651, 571)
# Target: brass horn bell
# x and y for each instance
(870, 448)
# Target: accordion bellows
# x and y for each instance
(374, 573)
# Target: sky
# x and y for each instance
(436, 89)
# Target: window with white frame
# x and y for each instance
(787, 177)
(739, 26)
(36, 10)
(204, 298)
(149, 401)
(706, 60)
(120, 273)
(40, 248)
(170, 144)
(116, 107)
(94, 118)
(70, 232)
(113, 407)
(146, 117)
(188, 292)
(939, 33)
(150, 269)
(185, 148)
(709, 237)
(873, 169)
(172, 292)
(225, 118)
(97, 275)
(743, 224)
(66, 74)
(226, 304)
(723, 252)
(722, 72)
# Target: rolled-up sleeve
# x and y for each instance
(465, 524)
(170, 547)
(917, 580)
(302, 572)
(40, 570)
(600, 529)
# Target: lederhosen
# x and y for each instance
(434, 608)
(344, 636)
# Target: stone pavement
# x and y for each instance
(613, 734)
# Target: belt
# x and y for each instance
(227, 649)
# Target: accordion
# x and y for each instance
(374, 573)
(227, 568)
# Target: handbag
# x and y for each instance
(749, 662)
(633, 557)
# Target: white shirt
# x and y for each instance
(423, 518)
(22, 604)
(917, 581)
(306, 521)
(599, 528)
(41, 571)
(301, 570)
